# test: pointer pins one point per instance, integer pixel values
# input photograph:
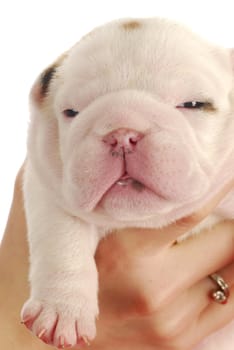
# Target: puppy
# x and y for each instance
(133, 127)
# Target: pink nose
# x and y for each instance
(123, 139)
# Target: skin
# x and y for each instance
(154, 294)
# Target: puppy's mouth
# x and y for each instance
(128, 196)
(126, 180)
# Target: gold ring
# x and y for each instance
(220, 295)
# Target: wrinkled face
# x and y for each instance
(135, 118)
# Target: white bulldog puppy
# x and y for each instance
(133, 127)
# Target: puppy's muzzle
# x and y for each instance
(122, 141)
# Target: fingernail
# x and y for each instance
(42, 332)
(86, 340)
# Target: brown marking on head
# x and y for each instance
(131, 25)
(45, 79)
(209, 107)
(41, 88)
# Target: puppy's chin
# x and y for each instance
(128, 202)
(131, 201)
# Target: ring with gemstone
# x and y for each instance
(220, 295)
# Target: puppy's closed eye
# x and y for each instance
(196, 105)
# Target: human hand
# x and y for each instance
(153, 294)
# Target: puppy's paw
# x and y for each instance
(61, 324)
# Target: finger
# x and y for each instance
(184, 311)
(189, 222)
(199, 300)
(227, 274)
(201, 255)
(193, 300)
(184, 265)
(217, 316)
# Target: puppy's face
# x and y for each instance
(135, 121)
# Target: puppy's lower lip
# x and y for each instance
(126, 181)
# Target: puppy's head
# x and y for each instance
(135, 121)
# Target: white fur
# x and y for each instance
(120, 78)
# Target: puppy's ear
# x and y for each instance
(45, 80)
(41, 87)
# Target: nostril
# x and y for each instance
(133, 141)
(114, 143)
(111, 141)
(123, 138)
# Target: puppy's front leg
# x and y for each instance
(63, 276)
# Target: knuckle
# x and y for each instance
(170, 338)
(173, 332)
(149, 303)
(165, 326)
(167, 329)
(143, 306)
(167, 332)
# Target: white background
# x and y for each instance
(33, 33)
